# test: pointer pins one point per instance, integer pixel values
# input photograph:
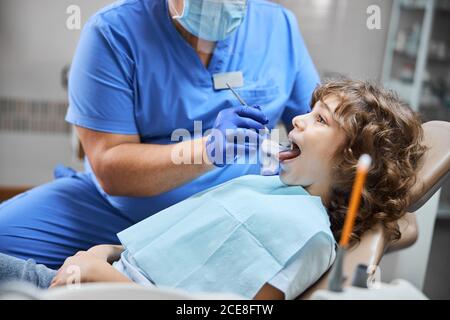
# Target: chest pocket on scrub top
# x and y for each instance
(258, 93)
(263, 95)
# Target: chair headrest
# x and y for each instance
(435, 168)
(436, 163)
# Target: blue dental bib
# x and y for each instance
(231, 238)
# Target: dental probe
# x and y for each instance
(242, 101)
(237, 95)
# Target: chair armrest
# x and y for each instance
(409, 233)
(128, 291)
(368, 251)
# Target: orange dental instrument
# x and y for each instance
(336, 276)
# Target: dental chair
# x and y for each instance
(369, 252)
(374, 243)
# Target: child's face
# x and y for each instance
(315, 137)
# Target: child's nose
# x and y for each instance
(298, 122)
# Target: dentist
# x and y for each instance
(142, 69)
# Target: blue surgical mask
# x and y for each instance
(212, 20)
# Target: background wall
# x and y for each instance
(36, 45)
(338, 38)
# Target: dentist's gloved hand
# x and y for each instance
(235, 132)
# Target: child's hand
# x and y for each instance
(79, 268)
(107, 252)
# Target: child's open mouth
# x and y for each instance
(294, 152)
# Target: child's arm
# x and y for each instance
(107, 252)
(86, 267)
(268, 292)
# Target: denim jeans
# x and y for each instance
(14, 269)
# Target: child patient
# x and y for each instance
(268, 237)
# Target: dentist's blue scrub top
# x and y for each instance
(133, 73)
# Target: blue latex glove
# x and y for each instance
(235, 132)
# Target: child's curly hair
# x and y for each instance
(375, 122)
